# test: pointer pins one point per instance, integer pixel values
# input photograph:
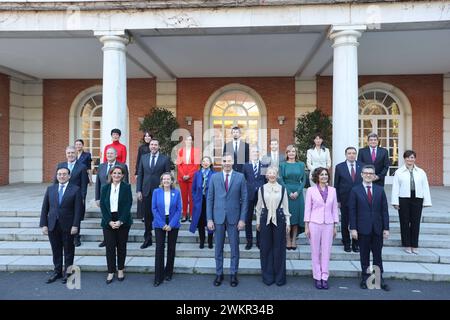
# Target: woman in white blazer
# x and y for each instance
(410, 193)
(317, 156)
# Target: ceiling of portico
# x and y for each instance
(225, 53)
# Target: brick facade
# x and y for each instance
(4, 126)
(278, 94)
(58, 98)
(426, 97)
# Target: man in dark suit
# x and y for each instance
(226, 208)
(78, 177)
(369, 223)
(103, 175)
(254, 173)
(347, 175)
(60, 219)
(376, 156)
(274, 157)
(239, 149)
(151, 167)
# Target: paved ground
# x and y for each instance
(32, 286)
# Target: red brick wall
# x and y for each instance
(278, 94)
(4, 127)
(58, 98)
(425, 93)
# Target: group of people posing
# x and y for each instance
(270, 187)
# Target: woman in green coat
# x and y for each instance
(292, 177)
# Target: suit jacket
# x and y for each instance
(149, 179)
(68, 213)
(102, 176)
(343, 181)
(197, 197)
(86, 159)
(243, 155)
(231, 205)
(267, 159)
(381, 163)
(143, 149)
(159, 209)
(253, 183)
(185, 169)
(123, 207)
(318, 211)
(78, 176)
(368, 218)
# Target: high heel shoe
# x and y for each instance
(108, 281)
(120, 278)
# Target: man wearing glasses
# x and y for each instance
(369, 223)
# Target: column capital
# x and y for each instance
(345, 34)
(113, 40)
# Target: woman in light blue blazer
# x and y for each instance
(166, 206)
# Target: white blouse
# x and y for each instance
(167, 201)
(401, 187)
(272, 196)
(114, 197)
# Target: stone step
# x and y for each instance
(94, 223)
(191, 250)
(393, 270)
(35, 234)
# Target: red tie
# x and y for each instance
(226, 182)
(353, 172)
(374, 155)
(369, 194)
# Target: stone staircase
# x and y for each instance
(23, 247)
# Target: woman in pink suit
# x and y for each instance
(321, 219)
(187, 162)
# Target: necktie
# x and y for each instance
(226, 182)
(70, 166)
(255, 169)
(205, 180)
(369, 194)
(109, 169)
(374, 155)
(60, 193)
(353, 172)
(235, 147)
(412, 184)
(152, 165)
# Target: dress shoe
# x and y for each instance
(248, 246)
(146, 244)
(415, 251)
(202, 245)
(234, 281)
(210, 245)
(325, 284)
(156, 283)
(76, 241)
(102, 244)
(385, 286)
(64, 279)
(355, 248)
(318, 284)
(218, 280)
(347, 248)
(408, 250)
(168, 278)
(55, 276)
(363, 284)
(183, 220)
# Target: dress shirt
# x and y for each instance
(274, 156)
(349, 166)
(156, 158)
(167, 201)
(401, 187)
(272, 197)
(225, 177)
(368, 185)
(114, 197)
(64, 188)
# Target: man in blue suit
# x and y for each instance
(376, 156)
(369, 223)
(60, 219)
(254, 173)
(347, 175)
(226, 209)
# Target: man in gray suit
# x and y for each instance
(103, 175)
(226, 208)
(274, 157)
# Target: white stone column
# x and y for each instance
(114, 113)
(345, 89)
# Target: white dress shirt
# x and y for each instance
(401, 187)
(225, 177)
(156, 158)
(349, 166)
(64, 187)
(114, 197)
(167, 201)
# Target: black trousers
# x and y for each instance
(202, 223)
(249, 220)
(116, 239)
(410, 213)
(345, 222)
(148, 216)
(273, 251)
(61, 242)
(367, 244)
(140, 211)
(160, 235)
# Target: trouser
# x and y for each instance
(160, 236)
(345, 222)
(249, 222)
(273, 252)
(201, 225)
(186, 197)
(367, 244)
(219, 239)
(61, 242)
(410, 213)
(116, 239)
(148, 216)
(321, 242)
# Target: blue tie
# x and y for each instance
(70, 166)
(60, 193)
(255, 170)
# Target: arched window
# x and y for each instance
(90, 117)
(380, 112)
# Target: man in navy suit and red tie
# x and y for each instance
(376, 156)
(347, 175)
(369, 223)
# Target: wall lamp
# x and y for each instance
(188, 120)
(281, 119)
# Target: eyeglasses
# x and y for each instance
(368, 173)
